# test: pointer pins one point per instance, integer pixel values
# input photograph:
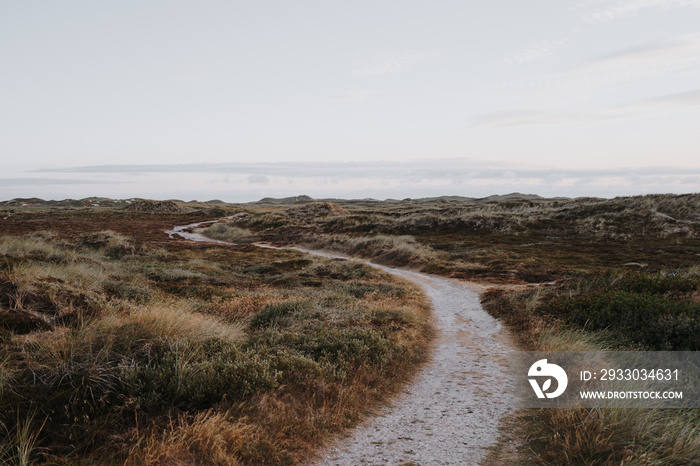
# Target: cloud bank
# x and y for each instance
(240, 182)
(641, 108)
(673, 58)
(612, 10)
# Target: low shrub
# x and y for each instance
(196, 375)
(112, 244)
(383, 249)
(229, 233)
(125, 290)
(653, 311)
(272, 314)
(624, 311)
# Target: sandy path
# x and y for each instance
(451, 413)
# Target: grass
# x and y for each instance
(229, 233)
(157, 351)
(600, 313)
(520, 239)
(210, 437)
(399, 251)
(168, 321)
(130, 352)
(628, 281)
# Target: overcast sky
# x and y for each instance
(240, 100)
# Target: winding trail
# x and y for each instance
(451, 412)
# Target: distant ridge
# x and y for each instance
(87, 202)
(180, 206)
(159, 207)
(513, 197)
(493, 198)
(286, 200)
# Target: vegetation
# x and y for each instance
(626, 279)
(650, 311)
(158, 351)
(506, 239)
(229, 233)
(119, 350)
(624, 311)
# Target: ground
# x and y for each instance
(101, 294)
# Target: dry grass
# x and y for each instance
(210, 438)
(229, 233)
(313, 343)
(592, 436)
(200, 355)
(171, 321)
(515, 239)
(24, 442)
(402, 251)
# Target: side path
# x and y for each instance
(451, 413)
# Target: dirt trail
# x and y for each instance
(451, 412)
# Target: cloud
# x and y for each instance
(416, 170)
(8, 182)
(387, 63)
(380, 179)
(419, 169)
(535, 52)
(629, 8)
(641, 108)
(258, 179)
(689, 98)
(671, 58)
(677, 52)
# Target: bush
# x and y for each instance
(272, 314)
(360, 290)
(347, 347)
(126, 290)
(651, 310)
(112, 244)
(193, 376)
(229, 233)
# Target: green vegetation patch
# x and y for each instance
(614, 310)
(652, 311)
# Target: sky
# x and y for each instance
(239, 100)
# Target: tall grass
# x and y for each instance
(383, 249)
(229, 233)
(19, 447)
(213, 355)
(210, 438)
(602, 436)
(171, 321)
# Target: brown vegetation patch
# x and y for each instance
(119, 344)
